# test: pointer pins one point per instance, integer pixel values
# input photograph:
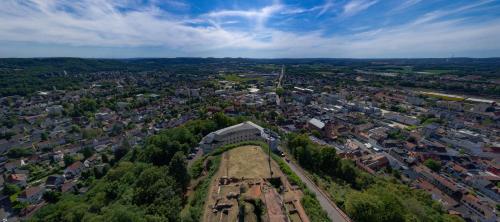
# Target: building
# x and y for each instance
(54, 182)
(246, 131)
(479, 207)
(315, 124)
(409, 120)
(74, 169)
(447, 186)
(17, 179)
(31, 195)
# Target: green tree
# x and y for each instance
(87, 152)
(68, 160)
(122, 150)
(44, 136)
(19, 152)
(433, 165)
(51, 196)
(10, 189)
(280, 91)
(178, 169)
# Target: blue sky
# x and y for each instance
(250, 28)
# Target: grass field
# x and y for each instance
(443, 96)
(439, 71)
(239, 79)
(248, 162)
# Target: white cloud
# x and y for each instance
(259, 16)
(325, 7)
(406, 4)
(355, 6)
(435, 15)
(96, 23)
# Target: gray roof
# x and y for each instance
(217, 135)
(317, 123)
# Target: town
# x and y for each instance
(435, 130)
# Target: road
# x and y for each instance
(334, 213)
(199, 154)
(279, 84)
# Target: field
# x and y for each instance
(239, 79)
(443, 96)
(439, 71)
(248, 162)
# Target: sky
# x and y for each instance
(250, 28)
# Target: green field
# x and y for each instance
(239, 79)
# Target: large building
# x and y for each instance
(246, 131)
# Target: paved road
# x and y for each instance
(279, 84)
(199, 154)
(334, 213)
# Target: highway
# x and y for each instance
(334, 213)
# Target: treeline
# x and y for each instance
(147, 184)
(325, 160)
(367, 198)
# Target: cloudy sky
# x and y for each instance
(250, 28)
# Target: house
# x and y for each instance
(17, 179)
(68, 186)
(58, 156)
(54, 182)
(375, 161)
(55, 110)
(31, 195)
(444, 184)
(315, 124)
(480, 207)
(409, 120)
(12, 165)
(73, 170)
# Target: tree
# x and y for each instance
(329, 161)
(178, 169)
(158, 193)
(19, 152)
(316, 134)
(75, 129)
(222, 120)
(122, 150)
(117, 129)
(52, 196)
(280, 91)
(88, 105)
(87, 152)
(363, 207)
(10, 189)
(433, 165)
(44, 136)
(104, 158)
(68, 160)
